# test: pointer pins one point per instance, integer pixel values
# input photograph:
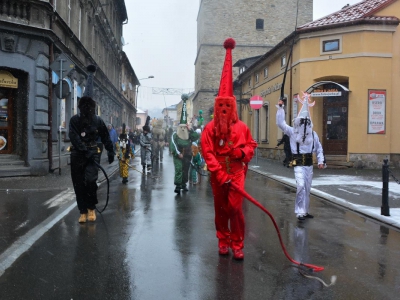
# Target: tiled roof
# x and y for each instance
(362, 11)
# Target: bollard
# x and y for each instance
(385, 189)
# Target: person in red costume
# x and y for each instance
(227, 147)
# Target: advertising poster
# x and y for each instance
(376, 111)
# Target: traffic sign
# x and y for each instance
(256, 102)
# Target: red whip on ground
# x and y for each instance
(256, 203)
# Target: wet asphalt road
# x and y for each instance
(152, 244)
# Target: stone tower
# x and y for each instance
(256, 25)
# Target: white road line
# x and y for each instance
(349, 192)
(8, 257)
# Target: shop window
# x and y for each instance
(260, 24)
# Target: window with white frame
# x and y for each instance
(80, 23)
(241, 69)
(257, 77)
(283, 60)
(69, 13)
(249, 82)
(265, 72)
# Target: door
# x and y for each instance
(5, 121)
(335, 125)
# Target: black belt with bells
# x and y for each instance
(301, 160)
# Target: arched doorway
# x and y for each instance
(335, 115)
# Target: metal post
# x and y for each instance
(385, 189)
(257, 155)
(59, 118)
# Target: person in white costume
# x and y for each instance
(303, 143)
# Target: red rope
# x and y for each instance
(256, 203)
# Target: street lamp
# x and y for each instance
(137, 88)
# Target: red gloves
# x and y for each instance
(222, 177)
(236, 154)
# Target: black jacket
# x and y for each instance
(85, 136)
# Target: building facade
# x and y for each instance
(349, 63)
(256, 26)
(41, 41)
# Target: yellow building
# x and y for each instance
(349, 62)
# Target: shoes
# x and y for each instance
(238, 254)
(185, 189)
(223, 250)
(177, 190)
(307, 215)
(300, 217)
(124, 180)
(91, 215)
(83, 218)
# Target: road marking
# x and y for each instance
(8, 257)
(349, 192)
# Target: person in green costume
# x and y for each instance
(180, 147)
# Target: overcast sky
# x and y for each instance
(160, 40)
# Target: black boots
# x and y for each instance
(124, 180)
(177, 190)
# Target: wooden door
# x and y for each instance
(6, 130)
(335, 125)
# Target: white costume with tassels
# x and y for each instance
(303, 143)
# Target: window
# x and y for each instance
(249, 82)
(257, 77)
(69, 13)
(260, 24)
(80, 23)
(241, 70)
(283, 60)
(266, 72)
(330, 45)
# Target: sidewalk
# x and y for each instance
(356, 189)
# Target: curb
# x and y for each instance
(361, 209)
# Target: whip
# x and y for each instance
(256, 203)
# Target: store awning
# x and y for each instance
(318, 84)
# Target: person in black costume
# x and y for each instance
(286, 148)
(85, 129)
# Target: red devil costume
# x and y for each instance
(227, 147)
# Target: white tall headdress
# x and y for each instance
(304, 111)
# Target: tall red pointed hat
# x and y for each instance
(226, 83)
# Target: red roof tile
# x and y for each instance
(363, 10)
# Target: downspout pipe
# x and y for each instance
(50, 103)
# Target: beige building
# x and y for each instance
(349, 63)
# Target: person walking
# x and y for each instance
(286, 148)
(303, 143)
(85, 129)
(180, 147)
(113, 134)
(124, 153)
(227, 146)
(158, 134)
(145, 140)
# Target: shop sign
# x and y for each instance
(7, 80)
(376, 111)
(326, 93)
(275, 87)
